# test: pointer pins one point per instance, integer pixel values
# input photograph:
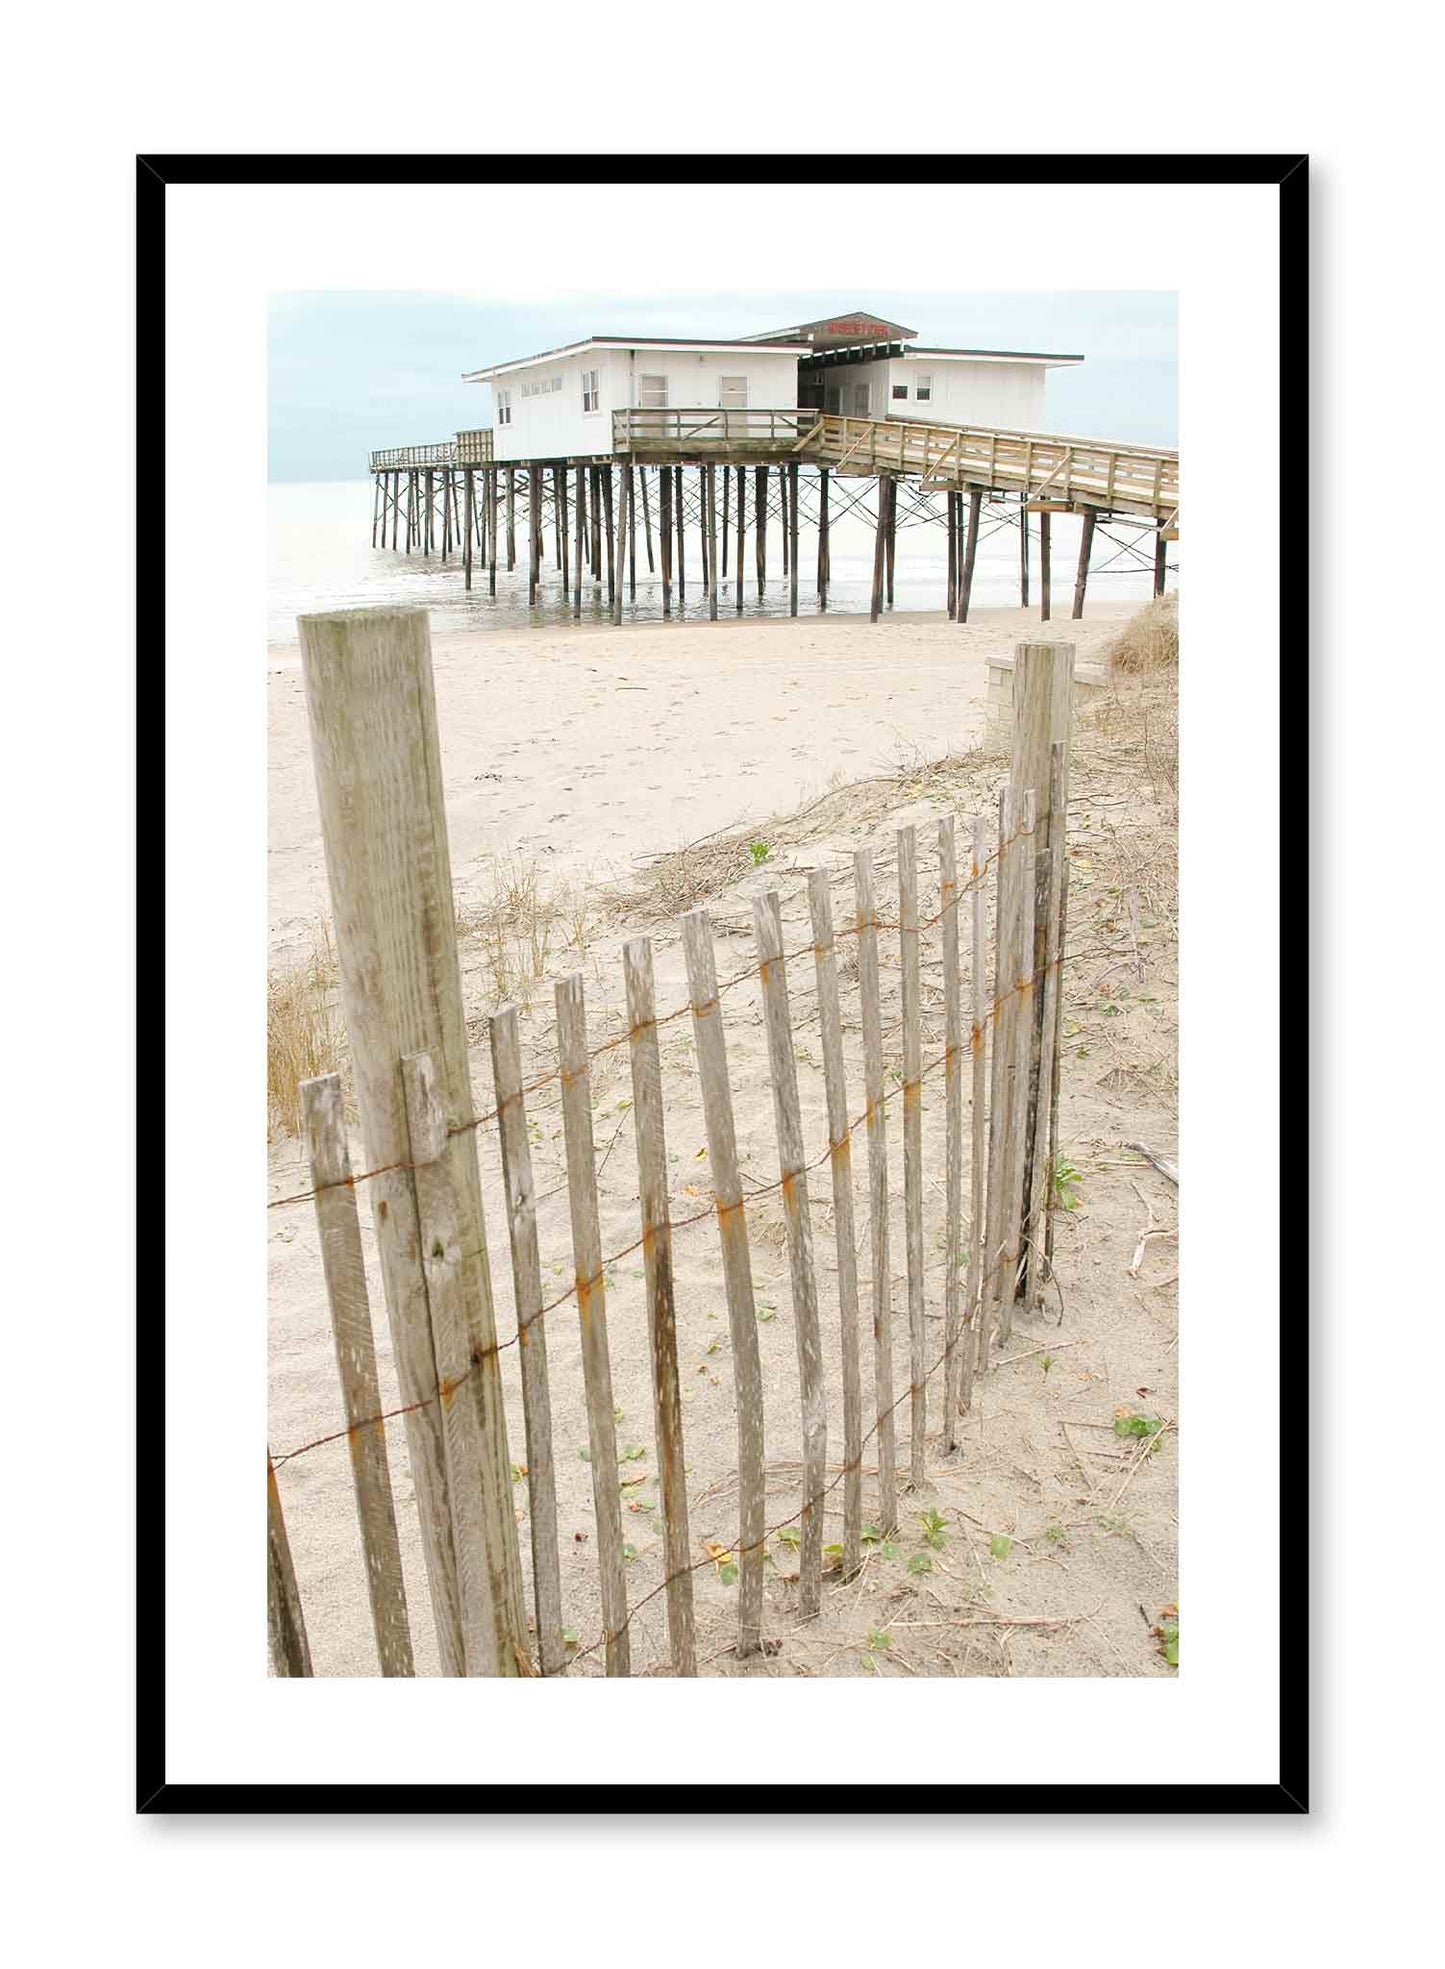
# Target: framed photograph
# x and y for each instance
(729, 876)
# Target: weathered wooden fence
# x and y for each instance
(373, 726)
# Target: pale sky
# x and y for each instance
(353, 371)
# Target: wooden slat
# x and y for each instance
(477, 1530)
(592, 1314)
(798, 1226)
(997, 1118)
(866, 924)
(345, 1268)
(978, 1160)
(1021, 1036)
(717, 1103)
(521, 1199)
(285, 1622)
(1041, 1173)
(907, 839)
(948, 904)
(647, 1116)
(840, 1159)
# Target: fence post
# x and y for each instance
(378, 781)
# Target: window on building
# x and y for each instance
(652, 392)
(923, 389)
(504, 406)
(900, 392)
(733, 392)
(860, 399)
(591, 394)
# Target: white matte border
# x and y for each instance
(227, 1721)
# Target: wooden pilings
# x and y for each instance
(461, 508)
(679, 502)
(490, 479)
(1023, 550)
(951, 508)
(760, 524)
(970, 551)
(624, 508)
(793, 539)
(581, 506)
(1086, 547)
(709, 495)
(605, 474)
(890, 535)
(646, 519)
(664, 535)
(534, 532)
(629, 475)
(822, 540)
(880, 551)
(1044, 570)
(742, 530)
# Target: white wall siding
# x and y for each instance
(1008, 396)
(554, 425)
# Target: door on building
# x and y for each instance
(860, 400)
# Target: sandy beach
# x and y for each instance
(594, 747)
(580, 756)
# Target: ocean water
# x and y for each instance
(319, 556)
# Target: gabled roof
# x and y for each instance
(700, 342)
(840, 331)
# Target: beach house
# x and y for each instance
(559, 404)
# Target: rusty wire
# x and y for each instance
(874, 923)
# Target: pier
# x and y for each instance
(719, 470)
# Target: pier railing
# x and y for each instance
(407, 457)
(1126, 478)
(665, 432)
(473, 448)
(1063, 470)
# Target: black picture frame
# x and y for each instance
(1290, 1796)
